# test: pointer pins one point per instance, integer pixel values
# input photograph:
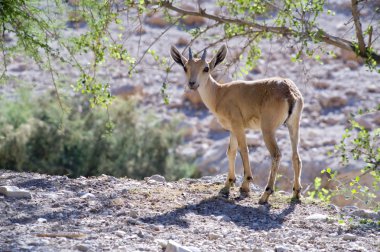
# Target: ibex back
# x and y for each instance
(263, 104)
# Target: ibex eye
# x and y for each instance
(184, 68)
(206, 69)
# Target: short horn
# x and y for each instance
(204, 55)
(190, 54)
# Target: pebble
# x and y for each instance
(317, 217)
(173, 246)
(222, 218)
(134, 214)
(349, 237)
(163, 243)
(88, 196)
(83, 247)
(15, 192)
(41, 220)
(258, 250)
(214, 236)
(157, 178)
(120, 233)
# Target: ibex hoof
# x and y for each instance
(296, 194)
(263, 201)
(224, 192)
(264, 198)
(244, 188)
(230, 182)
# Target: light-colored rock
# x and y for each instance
(120, 233)
(158, 178)
(88, 196)
(373, 89)
(41, 220)
(349, 237)
(163, 243)
(173, 246)
(83, 247)
(194, 249)
(214, 236)
(222, 218)
(317, 217)
(15, 192)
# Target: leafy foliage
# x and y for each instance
(40, 31)
(357, 143)
(79, 143)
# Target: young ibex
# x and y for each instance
(239, 105)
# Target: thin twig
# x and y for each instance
(151, 44)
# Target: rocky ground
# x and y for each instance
(55, 213)
(333, 89)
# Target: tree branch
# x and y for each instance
(282, 30)
(358, 26)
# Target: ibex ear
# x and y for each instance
(177, 56)
(219, 57)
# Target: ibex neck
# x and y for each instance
(208, 92)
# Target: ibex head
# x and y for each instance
(197, 70)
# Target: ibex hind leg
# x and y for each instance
(293, 127)
(271, 144)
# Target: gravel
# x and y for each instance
(188, 215)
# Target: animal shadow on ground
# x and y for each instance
(253, 217)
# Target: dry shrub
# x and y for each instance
(193, 21)
(156, 20)
(182, 42)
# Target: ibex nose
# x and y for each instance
(191, 83)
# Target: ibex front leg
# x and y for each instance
(231, 154)
(242, 143)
